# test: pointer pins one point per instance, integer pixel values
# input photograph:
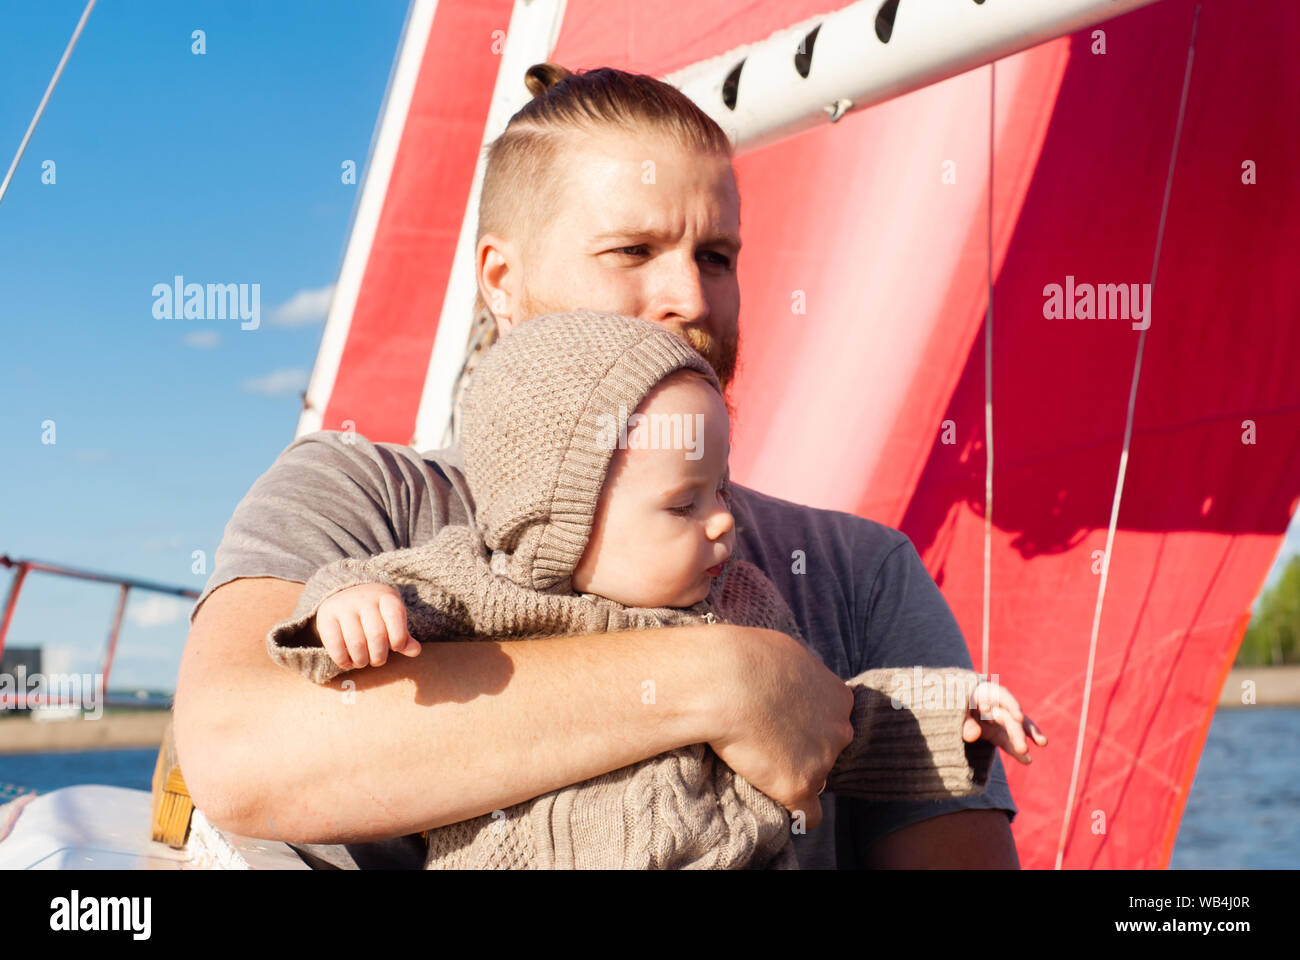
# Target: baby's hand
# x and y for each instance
(359, 625)
(995, 716)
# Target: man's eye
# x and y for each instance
(634, 251)
(722, 261)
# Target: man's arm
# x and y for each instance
(968, 839)
(471, 727)
(909, 622)
(461, 730)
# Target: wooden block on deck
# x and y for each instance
(172, 806)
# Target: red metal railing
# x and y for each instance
(125, 584)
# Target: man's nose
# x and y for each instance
(680, 298)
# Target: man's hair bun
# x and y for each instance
(542, 76)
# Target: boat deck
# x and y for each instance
(107, 828)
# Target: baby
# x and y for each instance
(588, 518)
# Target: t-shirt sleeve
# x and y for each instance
(908, 623)
(328, 495)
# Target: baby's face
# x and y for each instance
(662, 530)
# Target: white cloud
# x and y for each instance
(303, 308)
(155, 610)
(276, 383)
(202, 339)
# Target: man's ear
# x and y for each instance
(497, 278)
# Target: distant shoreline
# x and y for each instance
(115, 730)
(1273, 687)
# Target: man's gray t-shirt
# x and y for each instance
(858, 590)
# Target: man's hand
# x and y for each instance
(784, 718)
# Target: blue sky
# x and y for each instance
(223, 168)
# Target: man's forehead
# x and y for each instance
(647, 187)
(644, 213)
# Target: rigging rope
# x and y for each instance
(1123, 457)
(58, 71)
(988, 390)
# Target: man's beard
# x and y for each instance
(721, 353)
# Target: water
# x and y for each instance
(1241, 814)
(44, 772)
(1245, 801)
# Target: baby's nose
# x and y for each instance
(721, 524)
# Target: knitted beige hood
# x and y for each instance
(535, 430)
(536, 450)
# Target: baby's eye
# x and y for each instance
(683, 511)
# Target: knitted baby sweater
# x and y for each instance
(535, 467)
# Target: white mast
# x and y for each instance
(826, 66)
